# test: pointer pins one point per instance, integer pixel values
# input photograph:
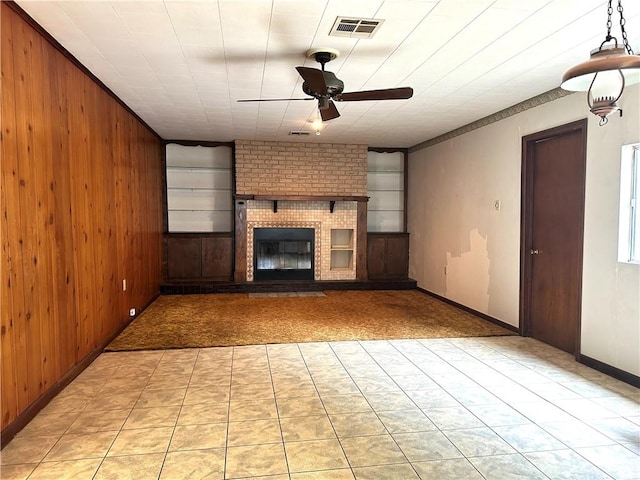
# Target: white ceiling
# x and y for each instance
(181, 65)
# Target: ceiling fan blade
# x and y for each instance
(384, 94)
(330, 112)
(274, 99)
(314, 79)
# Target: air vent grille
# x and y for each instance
(355, 27)
(298, 133)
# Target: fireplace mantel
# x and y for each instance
(302, 198)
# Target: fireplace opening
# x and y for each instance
(283, 253)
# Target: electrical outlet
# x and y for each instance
(132, 312)
(124, 284)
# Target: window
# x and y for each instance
(199, 188)
(385, 188)
(629, 240)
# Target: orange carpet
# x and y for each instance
(183, 321)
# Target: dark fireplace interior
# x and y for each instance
(283, 253)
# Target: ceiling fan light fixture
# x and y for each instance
(604, 76)
(317, 125)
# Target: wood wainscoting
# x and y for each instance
(81, 212)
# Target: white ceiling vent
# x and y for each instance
(298, 133)
(355, 27)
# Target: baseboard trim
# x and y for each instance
(484, 316)
(43, 400)
(21, 421)
(610, 370)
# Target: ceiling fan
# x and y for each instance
(325, 87)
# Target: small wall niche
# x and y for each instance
(341, 249)
(342, 238)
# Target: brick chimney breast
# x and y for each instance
(292, 168)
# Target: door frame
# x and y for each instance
(526, 222)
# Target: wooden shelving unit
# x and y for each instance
(199, 189)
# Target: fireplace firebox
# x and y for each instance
(283, 253)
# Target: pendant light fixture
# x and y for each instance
(604, 76)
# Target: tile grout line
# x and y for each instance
(522, 454)
(368, 403)
(443, 432)
(125, 420)
(275, 400)
(166, 453)
(325, 408)
(540, 424)
(405, 393)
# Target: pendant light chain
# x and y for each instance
(609, 23)
(625, 40)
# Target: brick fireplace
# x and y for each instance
(304, 185)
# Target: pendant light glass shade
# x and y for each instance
(605, 59)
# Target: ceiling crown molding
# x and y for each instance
(532, 102)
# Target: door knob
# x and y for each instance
(535, 252)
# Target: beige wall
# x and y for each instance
(452, 221)
(289, 168)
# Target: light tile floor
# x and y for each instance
(477, 408)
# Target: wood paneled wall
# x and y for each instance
(81, 211)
